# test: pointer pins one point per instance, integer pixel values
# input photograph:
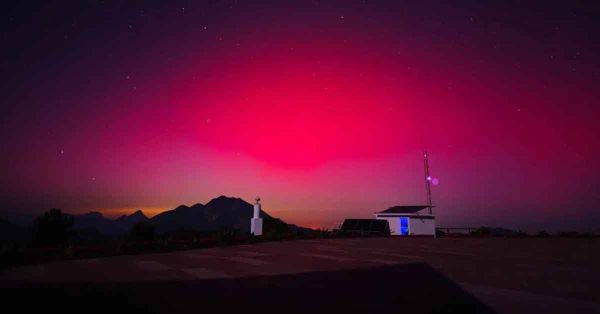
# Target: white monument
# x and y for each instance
(256, 221)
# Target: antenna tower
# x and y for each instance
(427, 179)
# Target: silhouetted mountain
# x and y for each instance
(95, 221)
(221, 212)
(178, 218)
(137, 216)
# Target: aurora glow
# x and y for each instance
(322, 109)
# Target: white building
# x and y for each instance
(408, 220)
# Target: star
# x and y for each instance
(62, 152)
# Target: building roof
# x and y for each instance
(418, 216)
(404, 209)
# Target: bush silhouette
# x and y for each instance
(543, 234)
(481, 232)
(53, 228)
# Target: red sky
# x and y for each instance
(323, 113)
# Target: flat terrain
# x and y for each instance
(510, 275)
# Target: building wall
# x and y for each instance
(394, 223)
(416, 226)
(421, 226)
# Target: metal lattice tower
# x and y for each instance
(427, 179)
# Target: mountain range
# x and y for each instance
(95, 221)
(221, 212)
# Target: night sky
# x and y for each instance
(321, 108)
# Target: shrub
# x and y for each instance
(482, 232)
(543, 234)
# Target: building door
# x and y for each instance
(403, 225)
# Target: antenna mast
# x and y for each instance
(427, 180)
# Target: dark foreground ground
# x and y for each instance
(376, 275)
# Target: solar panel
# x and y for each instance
(366, 227)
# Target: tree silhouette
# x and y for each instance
(53, 228)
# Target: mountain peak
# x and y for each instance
(138, 213)
(224, 200)
(223, 197)
(181, 207)
(136, 216)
